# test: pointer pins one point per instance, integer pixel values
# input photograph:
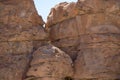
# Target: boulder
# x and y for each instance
(50, 63)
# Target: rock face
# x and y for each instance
(19, 21)
(50, 63)
(21, 32)
(89, 31)
(25, 52)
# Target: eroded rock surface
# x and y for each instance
(91, 36)
(87, 32)
(21, 32)
(50, 63)
(19, 21)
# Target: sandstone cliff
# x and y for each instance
(89, 31)
(87, 34)
(21, 32)
(25, 51)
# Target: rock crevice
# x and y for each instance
(87, 34)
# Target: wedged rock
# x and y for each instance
(91, 37)
(50, 63)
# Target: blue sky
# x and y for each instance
(43, 6)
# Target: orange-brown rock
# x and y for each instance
(50, 63)
(87, 32)
(19, 21)
(64, 11)
(21, 32)
(61, 12)
(91, 37)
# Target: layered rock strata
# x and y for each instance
(89, 31)
(25, 50)
(21, 32)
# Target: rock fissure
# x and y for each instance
(87, 34)
(28, 65)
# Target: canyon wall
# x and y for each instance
(89, 32)
(25, 52)
(81, 41)
(21, 32)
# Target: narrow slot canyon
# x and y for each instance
(80, 41)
